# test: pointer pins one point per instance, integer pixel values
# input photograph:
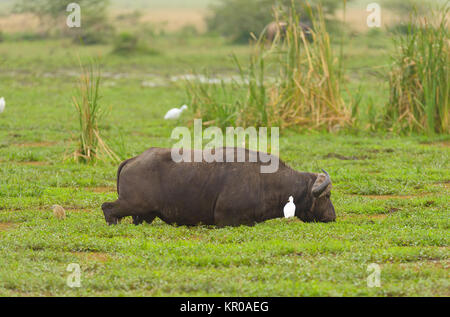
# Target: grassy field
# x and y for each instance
(391, 193)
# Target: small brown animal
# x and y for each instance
(59, 212)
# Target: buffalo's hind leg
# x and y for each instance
(114, 212)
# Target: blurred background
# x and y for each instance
(368, 104)
(231, 18)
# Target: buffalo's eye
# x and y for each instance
(328, 195)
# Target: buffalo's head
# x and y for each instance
(322, 210)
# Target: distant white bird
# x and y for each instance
(289, 209)
(174, 113)
(2, 104)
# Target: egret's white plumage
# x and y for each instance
(174, 113)
(289, 208)
(2, 104)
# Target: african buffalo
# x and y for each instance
(218, 193)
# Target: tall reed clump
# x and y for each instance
(90, 113)
(293, 82)
(419, 79)
(308, 91)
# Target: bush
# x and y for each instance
(90, 37)
(237, 19)
(127, 43)
(94, 30)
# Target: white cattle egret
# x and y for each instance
(2, 104)
(289, 209)
(174, 113)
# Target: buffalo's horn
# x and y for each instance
(318, 189)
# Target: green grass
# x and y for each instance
(419, 90)
(391, 193)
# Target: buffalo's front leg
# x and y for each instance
(137, 220)
(114, 212)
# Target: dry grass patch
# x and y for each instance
(103, 189)
(92, 256)
(6, 226)
(33, 163)
(36, 144)
(15, 23)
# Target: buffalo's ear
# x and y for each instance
(322, 185)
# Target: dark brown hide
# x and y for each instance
(223, 194)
